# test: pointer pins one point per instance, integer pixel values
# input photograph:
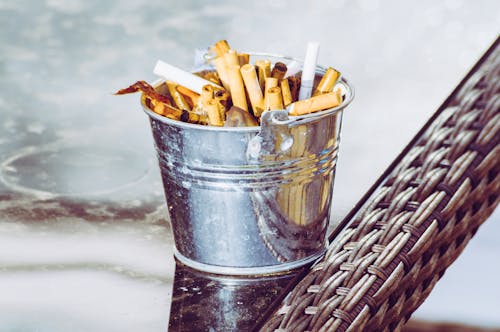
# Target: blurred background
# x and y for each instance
(85, 243)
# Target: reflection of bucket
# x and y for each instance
(250, 200)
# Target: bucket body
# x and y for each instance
(252, 200)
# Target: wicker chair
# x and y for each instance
(412, 224)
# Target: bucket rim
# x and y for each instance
(255, 129)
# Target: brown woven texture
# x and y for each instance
(416, 223)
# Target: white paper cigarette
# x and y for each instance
(309, 70)
(181, 77)
(292, 68)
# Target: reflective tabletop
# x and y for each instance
(85, 240)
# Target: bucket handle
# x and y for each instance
(274, 138)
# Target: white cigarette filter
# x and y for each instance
(181, 77)
(308, 70)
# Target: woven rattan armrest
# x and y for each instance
(412, 224)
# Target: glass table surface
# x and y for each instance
(85, 241)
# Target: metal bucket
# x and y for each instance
(253, 200)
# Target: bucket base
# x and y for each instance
(246, 271)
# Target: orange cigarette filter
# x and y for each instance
(285, 92)
(213, 113)
(178, 99)
(237, 88)
(221, 47)
(193, 96)
(273, 99)
(249, 76)
(315, 104)
(172, 112)
(156, 106)
(271, 82)
(207, 94)
(221, 68)
(231, 58)
(263, 71)
(327, 82)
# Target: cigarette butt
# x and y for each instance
(314, 104)
(221, 68)
(159, 108)
(293, 67)
(294, 83)
(222, 96)
(214, 117)
(231, 58)
(178, 99)
(327, 82)
(207, 94)
(263, 71)
(181, 77)
(166, 110)
(236, 87)
(273, 99)
(193, 96)
(271, 82)
(211, 76)
(173, 113)
(221, 47)
(222, 109)
(251, 81)
(279, 71)
(192, 117)
(309, 70)
(236, 117)
(285, 92)
(243, 58)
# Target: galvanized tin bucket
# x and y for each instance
(252, 200)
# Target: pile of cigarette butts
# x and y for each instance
(237, 92)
